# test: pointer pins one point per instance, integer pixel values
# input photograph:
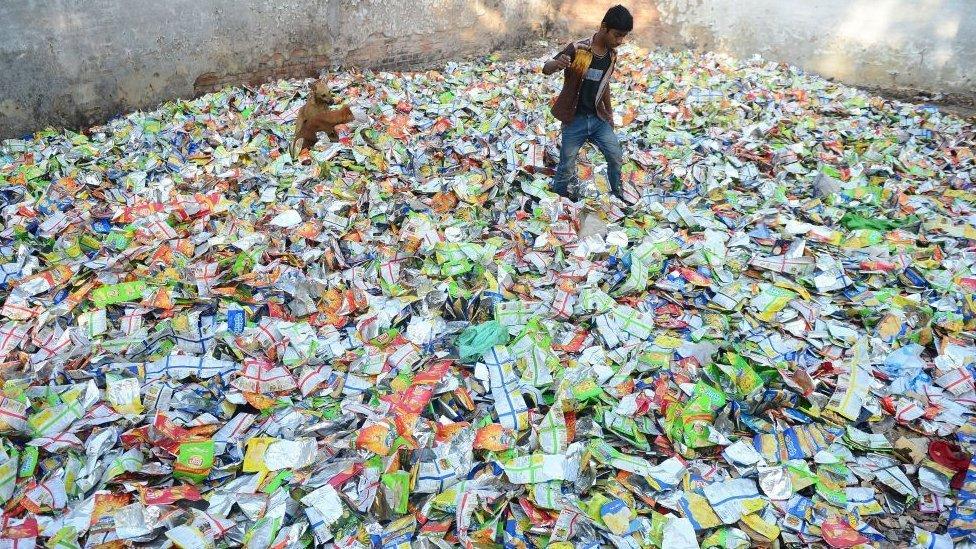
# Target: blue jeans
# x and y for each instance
(583, 128)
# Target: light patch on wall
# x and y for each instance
(941, 57)
(64, 22)
(836, 64)
(589, 13)
(948, 29)
(867, 22)
(488, 18)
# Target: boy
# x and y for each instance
(583, 105)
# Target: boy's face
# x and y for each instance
(614, 38)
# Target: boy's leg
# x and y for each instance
(606, 140)
(574, 135)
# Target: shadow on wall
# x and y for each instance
(476, 28)
(95, 60)
(407, 34)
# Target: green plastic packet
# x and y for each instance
(854, 221)
(586, 390)
(593, 506)
(89, 243)
(71, 471)
(118, 293)
(862, 238)
(705, 398)
(277, 481)
(65, 538)
(625, 427)
(264, 527)
(28, 462)
(478, 339)
(656, 535)
(16, 389)
(455, 268)
(396, 488)
(243, 263)
(119, 239)
(8, 473)
(652, 361)
(724, 538)
(832, 492)
(697, 415)
(194, 461)
(745, 377)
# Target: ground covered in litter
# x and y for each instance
(403, 337)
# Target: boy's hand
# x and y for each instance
(561, 62)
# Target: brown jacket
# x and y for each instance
(564, 108)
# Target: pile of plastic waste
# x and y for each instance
(403, 339)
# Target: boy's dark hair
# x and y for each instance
(619, 18)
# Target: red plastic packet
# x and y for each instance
(951, 456)
(169, 496)
(837, 532)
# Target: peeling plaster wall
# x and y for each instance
(77, 62)
(894, 45)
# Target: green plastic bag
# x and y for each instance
(396, 487)
(854, 221)
(478, 339)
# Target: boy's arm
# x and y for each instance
(606, 102)
(561, 61)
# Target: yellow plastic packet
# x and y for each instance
(254, 454)
(581, 61)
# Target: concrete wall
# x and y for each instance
(76, 62)
(901, 46)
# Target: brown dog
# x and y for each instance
(318, 116)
